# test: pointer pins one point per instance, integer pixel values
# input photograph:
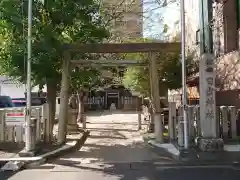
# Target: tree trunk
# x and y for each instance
(51, 99)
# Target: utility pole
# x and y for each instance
(184, 84)
(28, 134)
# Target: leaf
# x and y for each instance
(54, 22)
(169, 72)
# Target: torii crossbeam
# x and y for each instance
(151, 48)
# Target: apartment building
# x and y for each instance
(224, 27)
(126, 18)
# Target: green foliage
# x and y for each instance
(169, 72)
(137, 79)
(85, 78)
(55, 22)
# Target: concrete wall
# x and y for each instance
(192, 25)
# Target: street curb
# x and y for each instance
(18, 163)
(162, 151)
(68, 147)
(187, 161)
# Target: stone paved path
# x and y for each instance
(115, 150)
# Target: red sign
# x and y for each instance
(15, 118)
(15, 114)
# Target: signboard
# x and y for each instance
(14, 118)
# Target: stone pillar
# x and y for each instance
(46, 122)
(198, 124)
(218, 121)
(207, 96)
(209, 141)
(158, 125)
(172, 121)
(180, 127)
(233, 121)
(72, 126)
(224, 112)
(190, 117)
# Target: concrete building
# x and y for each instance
(225, 41)
(14, 88)
(126, 18)
(192, 26)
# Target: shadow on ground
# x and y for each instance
(116, 160)
(112, 153)
(7, 174)
(11, 147)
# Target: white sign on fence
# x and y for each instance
(15, 118)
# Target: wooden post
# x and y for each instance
(158, 125)
(63, 114)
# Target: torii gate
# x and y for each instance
(151, 48)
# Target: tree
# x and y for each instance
(169, 72)
(55, 22)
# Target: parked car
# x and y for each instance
(19, 102)
(6, 102)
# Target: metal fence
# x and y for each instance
(12, 124)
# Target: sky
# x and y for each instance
(156, 17)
